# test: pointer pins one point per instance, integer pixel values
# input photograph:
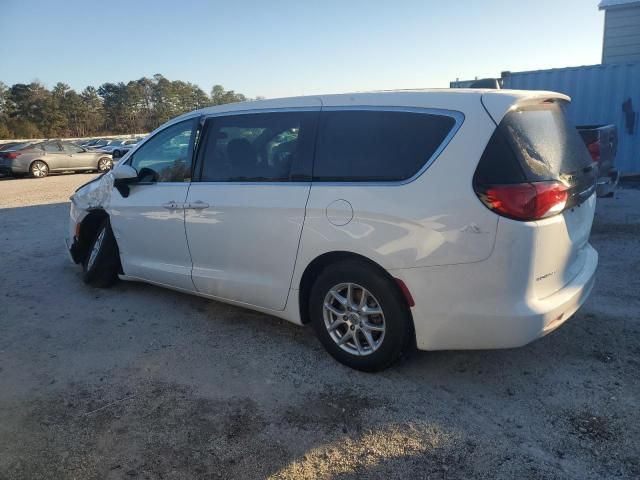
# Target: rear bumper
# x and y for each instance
(463, 307)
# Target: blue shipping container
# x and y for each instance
(597, 95)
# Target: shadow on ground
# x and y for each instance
(140, 382)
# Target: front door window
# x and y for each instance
(167, 156)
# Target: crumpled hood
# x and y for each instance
(94, 194)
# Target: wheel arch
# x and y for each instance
(38, 160)
(321, 262)
(88, 228)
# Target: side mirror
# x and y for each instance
(125, 172)
(123, 176)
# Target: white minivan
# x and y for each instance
(436, 219)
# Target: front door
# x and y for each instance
(244, 214)
(55, 156)
(149, 222)
(78, 157)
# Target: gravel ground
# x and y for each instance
(140, 382)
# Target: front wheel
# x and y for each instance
(105, 164)
(360, 316)
(102, 262)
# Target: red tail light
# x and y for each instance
(594, 150)
(525, 201)
(11, 155)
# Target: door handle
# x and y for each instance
(197, 205)
(170, 205)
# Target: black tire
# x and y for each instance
(398, 335)
(101, 270)
(38, 169)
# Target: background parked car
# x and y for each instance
(98, 144)
(120, 151)
(7, 146)
(39, 159)
(116, 144)
(602, 143)
(88, 142)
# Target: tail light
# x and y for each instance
(525, 201)
(12, 155)
(594, 150)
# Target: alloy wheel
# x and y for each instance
(104, 164)
(354, 319)
(39, 169)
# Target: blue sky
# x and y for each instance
(281, 48)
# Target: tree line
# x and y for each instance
(33, 111)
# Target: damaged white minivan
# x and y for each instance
(436, 219)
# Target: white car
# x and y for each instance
(442, 219)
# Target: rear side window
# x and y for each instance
(260, 147)
(51, 147)
(357, 146)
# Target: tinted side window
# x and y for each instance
(51, 147)
(260, 147)
(358, 146)
(167, 156)
(71, 148)
(498, 164)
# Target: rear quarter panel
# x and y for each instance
(434, 220)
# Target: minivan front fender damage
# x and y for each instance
(94, 196)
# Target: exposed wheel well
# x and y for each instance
(88, 229)
(323, 261)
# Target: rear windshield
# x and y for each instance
(547, 144)
(20, 146)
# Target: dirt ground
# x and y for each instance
(140, 382)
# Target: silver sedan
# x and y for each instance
(40, 159)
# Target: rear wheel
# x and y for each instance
(105, 164)
(101, 264)
(39, 169)
(359, 316)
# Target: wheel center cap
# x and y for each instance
(354, 318)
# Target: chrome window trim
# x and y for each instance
(280, 184)
(251, 111)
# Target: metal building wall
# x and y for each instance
(597, 93)
(621, 41)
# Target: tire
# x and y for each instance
(391, 330)
(105, 164)
(102, 262)
(39, 169)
